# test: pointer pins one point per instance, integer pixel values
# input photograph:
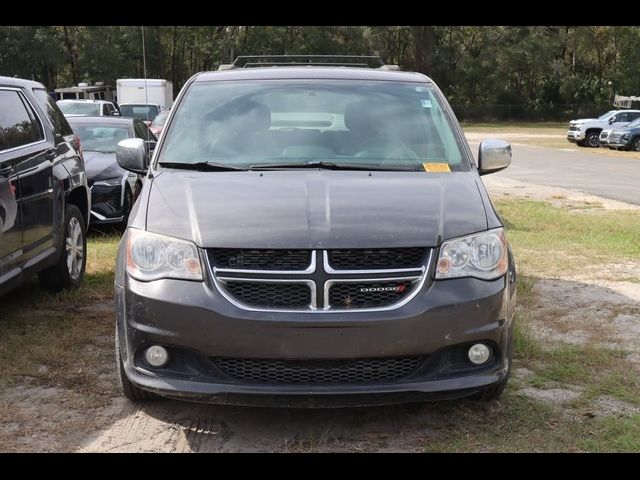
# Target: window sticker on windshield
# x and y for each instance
(436, 167)
(421, 89)
(426, 103)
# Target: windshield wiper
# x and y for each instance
(201, 166)
(327, 166)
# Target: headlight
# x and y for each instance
(109, 182)
(151, 256)
(625, 136)
(482, 255)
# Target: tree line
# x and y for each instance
(535, 68)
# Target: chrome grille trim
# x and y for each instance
(413, 293)
(418, 277)
(329, 269)
(220, 281)
(310, 269)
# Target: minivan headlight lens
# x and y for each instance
(151, 256)
(482, 255)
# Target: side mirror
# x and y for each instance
(493, 156)
(611, 120)
(130, 155)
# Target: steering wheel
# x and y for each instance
(387, 149)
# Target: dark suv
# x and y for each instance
(44, 199)
(314, 235)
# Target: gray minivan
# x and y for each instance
(314, 236)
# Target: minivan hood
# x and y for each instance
(315, 208)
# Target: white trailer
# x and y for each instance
(157, 91)
(622, 101)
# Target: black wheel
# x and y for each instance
(635, 146)
(491, 393)
(68, 272)
(494, 391)
(592, 139)
(129, 390)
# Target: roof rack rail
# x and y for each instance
(360, 61)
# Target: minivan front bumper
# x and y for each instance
(194, 321)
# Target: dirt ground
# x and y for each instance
(598, 306)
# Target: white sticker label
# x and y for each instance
(426, 103)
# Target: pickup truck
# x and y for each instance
(585, 132)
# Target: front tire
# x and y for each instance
(68, 272)
(592, 139)
(493, 392)
(635, 146)
(129, 390)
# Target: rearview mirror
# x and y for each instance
(130, 155)
(494, 155)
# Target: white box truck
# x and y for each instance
(132, 90)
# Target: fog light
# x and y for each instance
(157, 356)
(479, 353)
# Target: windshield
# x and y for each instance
(160, 120)
(80, 108)
(400, 125)
(606, 115)
(100, 138)
(141, 112)
(634, 124)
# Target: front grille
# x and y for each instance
(573, 129)
(260, 259)
(314, 372)
(377, 259)
(296, 279)
(367, 295)
(270, 295)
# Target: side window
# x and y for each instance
(622, 117)
(633, 116)
(18, 121)
(48, 105)
(106, 108)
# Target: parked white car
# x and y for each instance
(586, 132)
(88, 108)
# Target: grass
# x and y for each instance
(612, 434)
(45, 341)
(553, 241)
